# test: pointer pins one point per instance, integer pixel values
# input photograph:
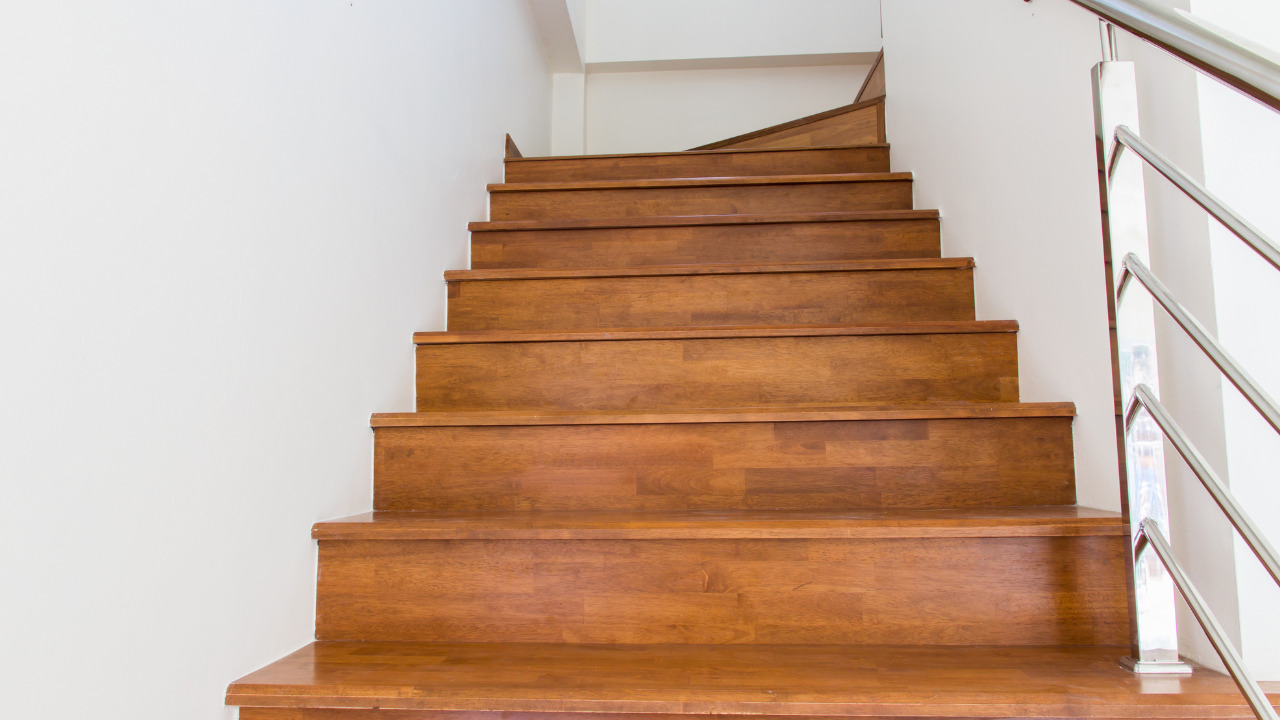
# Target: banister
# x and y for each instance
(1230, 219)
(1153, 537)
(1261, 401)
(1144, 398)
(1212, 53)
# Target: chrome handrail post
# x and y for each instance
(1109, 51)
(1153, 622)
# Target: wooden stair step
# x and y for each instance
(1006, 576)
(706, 163)
(717, 366)
(838, 458)
(866, 291)
(701, 196)
(687, 239)
(472, 337)
(730, 681)
(771, 414)
(1035, 521)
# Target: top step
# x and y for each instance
(872, 158)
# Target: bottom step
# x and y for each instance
(348, 681)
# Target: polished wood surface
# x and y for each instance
(775, 412)
(748, 524)
(525, 273)
(859, 126)
(701, 196)
(512, 150)
(790, 680)
(1045, 590)
(873, 158)
(717, 372)
(638, 242)
(815, 464)
(876, 292)
(941, 327)
(859, 110)
(873, 85)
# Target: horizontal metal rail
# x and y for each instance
(1229, 218)
(1144, 398)
(1252, 392)
(1155, 539)
(1210, 52)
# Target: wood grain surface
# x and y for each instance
(713, 163)
(717, 372)
(702, 196)
(639, 242)
(728, 295)
(1045, 590)
(846, 465)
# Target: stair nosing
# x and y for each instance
(708, 269)
(722, 524)
(950, 327)
(808, 413)
(682, 153)
(700, 220)
(724, 181)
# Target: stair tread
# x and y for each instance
(684, 153)
(712, 269)
(885, 681)
(773, 413)
(810, 179)
(1044, 520)
(689, 220)
(950, 327)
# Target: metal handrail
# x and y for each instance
(1257, 699)
(1197, 192)
(1252, 392)
(1143, 397)
(1224, 59)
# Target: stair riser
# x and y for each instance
(836, 465)
(797, 162)
(718, 373)
(954, 591)
(863, 297)
(639, 247)
(716, 200)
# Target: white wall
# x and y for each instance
(666, 75)
(648, 30)
(219, 225)
(679, 109)
(1242, 166)
(998, 129)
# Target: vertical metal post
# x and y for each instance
(1153, 623)
(1109, 52)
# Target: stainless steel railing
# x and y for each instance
(1253, 237)
(1179, 34)
(1154, 537)
(1121, 153)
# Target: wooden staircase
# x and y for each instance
(716, 432)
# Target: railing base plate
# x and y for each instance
(1139, 667)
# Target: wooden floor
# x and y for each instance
(720, 433)
(792, 680)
